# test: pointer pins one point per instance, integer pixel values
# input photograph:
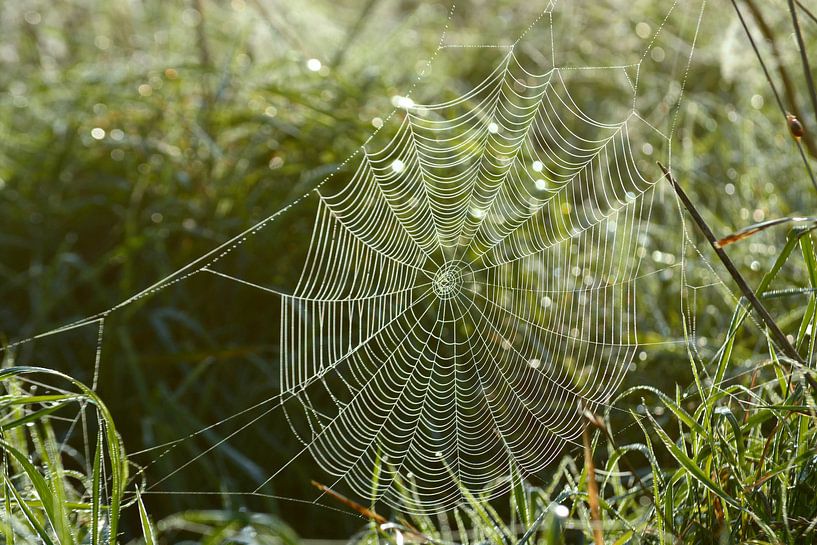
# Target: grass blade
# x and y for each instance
(147, 527)
(690, 466)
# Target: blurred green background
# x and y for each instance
(137, 135)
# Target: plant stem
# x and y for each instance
(352, 33)
(592, 487)
(788, 86)
(201, 37)
(808, 13)
(777, 335)
(803, 57)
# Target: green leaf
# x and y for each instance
(147, 527)
(48, 449)
(691, 466)
(671, 404)
(28, 513)
(31, 417)
(37, 480)
(519, 496)
(96, 489)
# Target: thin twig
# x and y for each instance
(768, 35)
(804, 57)
(371, 515)
(787, 84)
(365, 511)
(776, 333)
(807, 11)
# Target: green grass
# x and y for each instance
(55, 494)
(734, 464)
(50, 492)
(211, 122)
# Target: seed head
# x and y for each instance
(795, 127)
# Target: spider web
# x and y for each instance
(468, 290)
(459, 306)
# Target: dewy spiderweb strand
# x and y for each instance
(465, 293)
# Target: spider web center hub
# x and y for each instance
(448, 281)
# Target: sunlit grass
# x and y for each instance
(132, 145)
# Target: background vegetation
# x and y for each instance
(135, 136)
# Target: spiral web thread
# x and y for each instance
(465, 295)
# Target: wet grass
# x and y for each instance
(206, 128)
